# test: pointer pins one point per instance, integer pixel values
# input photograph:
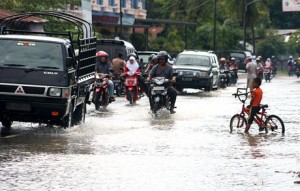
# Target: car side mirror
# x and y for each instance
(214, 65)
(175, 74)
(70, 62)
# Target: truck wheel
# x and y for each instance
(7, 123)
(79, 114)
(68, 121)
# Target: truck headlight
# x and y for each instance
(55, 92)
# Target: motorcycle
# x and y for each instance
(267, 74)
(101, 95)
(158, 94)
(291, 71)
(233, 75)
(297, 72)
(118, 84)
(132, 87)
(223, 78)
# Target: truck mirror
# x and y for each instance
(70, 62)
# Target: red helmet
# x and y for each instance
(101, 54)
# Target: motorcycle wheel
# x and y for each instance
(97, 100)
(118, 90)
(130, 96)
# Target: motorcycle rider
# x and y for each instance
(234, 66)
(118, 63)
(103, 67)
(223, 66)
(163, 69)
(268, 66)
(133, 67)
(259, 67)
(291, 64)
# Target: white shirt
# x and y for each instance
(251, 70)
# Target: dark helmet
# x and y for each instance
(163, 54)
(132, 54)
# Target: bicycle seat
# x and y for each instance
(263, 106)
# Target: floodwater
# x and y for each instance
(127, 148)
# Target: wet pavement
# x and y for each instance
(127, 148)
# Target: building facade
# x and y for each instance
(131, 9)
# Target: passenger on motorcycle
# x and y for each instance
(152, 63)
(163, 69)
(118, 64)
(103, 67)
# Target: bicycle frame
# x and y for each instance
(259, 118)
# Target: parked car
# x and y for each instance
(196, 69)
(113, 46)
(239, 56)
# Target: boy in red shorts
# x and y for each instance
(256, 97)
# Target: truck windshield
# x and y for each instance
(194, 60)
(31, 54)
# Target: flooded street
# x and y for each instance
(127, 148)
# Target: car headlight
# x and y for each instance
(203, 74)
(55, 92)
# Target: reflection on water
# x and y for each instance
(127, 148)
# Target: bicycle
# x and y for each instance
(262, 119)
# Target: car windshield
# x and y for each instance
(145, 57)
(239, 57)
(31, 54)
(195, 60)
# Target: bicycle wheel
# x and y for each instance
(275, 124)
(238, 122)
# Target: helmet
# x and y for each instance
(273, 57)
(154, 57)
(232, 58)
(132, 54)
(163, 54)
(151, 57)
(223, 59)
(101, 54)
(259, 58)
(290, 57)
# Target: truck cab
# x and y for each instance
(42, 78)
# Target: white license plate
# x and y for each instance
(18, 106)
(158, 88)
(187, 79)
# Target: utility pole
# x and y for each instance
(121, 19)
(215, 24)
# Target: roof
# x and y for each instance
(112, 41)
(5, 13)
(197, 52)
(34, 38)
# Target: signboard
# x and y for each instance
(87, 10)
(290, 5)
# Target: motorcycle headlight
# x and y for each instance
(55, 92)
(159, 82)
